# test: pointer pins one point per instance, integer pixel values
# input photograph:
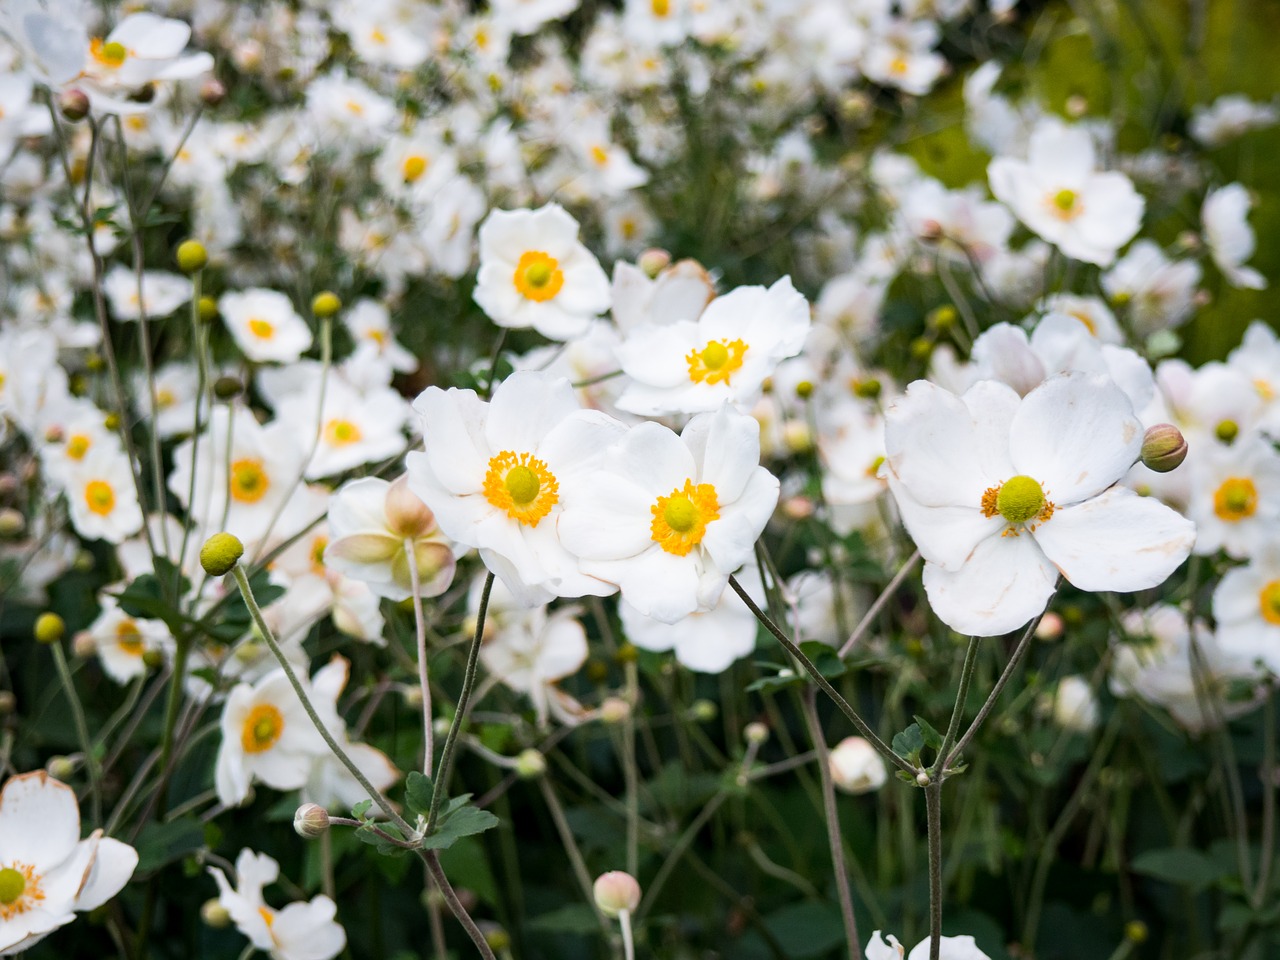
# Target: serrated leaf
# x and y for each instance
(367, 834)
(417, 792)
(932, 739)
(909, 743)
(463, 819)
(360, 809)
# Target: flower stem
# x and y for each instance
(628, 947)
(420, 625)
(966, 676)
(82, 730)
(872, 611)
(441, 783)
(862, 726)
(933, 812)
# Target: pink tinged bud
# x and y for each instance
(653, 262)
(310, 821)
(1050, 627)
(74, 104)
(616, 891)
(407, 515)
(1163, 448)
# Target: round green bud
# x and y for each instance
(111, 421)
(49, 628)
(214, 914)
(61, 768)
(191, 256)
(921, 348)
(496, 937)
(326, 304)
(1164, 447)
(530, 764)
(207, 309)
(153, 659)
(703, 711)
(226, 388)
(220, 553)
(12, 523)
(1135, 931)
(1227, 431)
(627, 653)
(756, 732)
(868, 389)
(943, 317)
(804, 389)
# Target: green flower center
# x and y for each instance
(680, 514)
(522, 485)
(1227, 431)
(1065, 200)
(1020, 499)
(715, 355)
(12, 884)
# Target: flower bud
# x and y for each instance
(8, 703)
(207, 309)
(653, 262)
(212, 92)
(616, 891)
(1227, 431)
(49, 628)
(804, 389)
(325, 304)
(1049, 627)
(856, 767)
(153, 659)
(614, 710)
(1163, 448)
(191, 256)
(923, 779)
(220, 553)
(756, 732)
(12, 524)
(530, 764)
(627, 653)
(74, 104)
(226, 388)
(83, 646)
(214, 914)
(407, 515)
(310, 821)
(61, 768)
(1135, 931)
(495, 936)
(703, 711)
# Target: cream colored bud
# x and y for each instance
(530, 764)
(616, 891)
(614, 710)
(310, 821)
(214, 914)
(856, 767)
(756, 732)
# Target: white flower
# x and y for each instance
(121, 641)
(265, 325)
(1058, 192)
(494, 474)
(856, 767)
(1157, 292)
(1235, 498)
(47, 872)
(695, 365)
(669, 517)
(370, 325)
(524, 17)
(1002, 495)
(300, 931)
(1074, 706)
(102, 496)
(1230, 116)
(1246, 606)
(267, 736)
(953, 948)
(1229, 236)
(355, 427)
(535, 273)
(162, 293)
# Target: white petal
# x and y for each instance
(945, 535)
(1005, 583)
(1117, 541)
(524, 409)
(112, 868)
(39, 820)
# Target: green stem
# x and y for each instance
(172, 704)
(933, 810)
(420, 632)
(862, 726)
(966, 676)
(82, 730)
(441, 784)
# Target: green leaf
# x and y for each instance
(461, 818)
(417, 792)
(466, 865)
(1181, 867)
(824, 658)
(383, 845)
(574, 918)
(932, 738)
(806, 929)
(360, 809)
(160, 844)
(909, 743)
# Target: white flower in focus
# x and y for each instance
(953, 948)
(267, 736)
(47, 873)
(856, 767)
(535, 273)
(372, 523)
(300, 931)
(1059, 193)
(1002, 495)
(495, 474)
(102, 496)
(1229, 237)
(265, 326)
(668, 517)
(726, 354)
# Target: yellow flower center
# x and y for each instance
(1236, 499)
(599, 155)
(660, 8)
(341, 433)
(1264, 388)
(1019, 500)
(262, 728)
(1269, 602)
(317, 554)
(78, 445)
(1227, 430)
(19, 890)
(99, 497)
(128, 639)
(716, 362)
(262, 329)
(413, 168)
(1065, 205)
(538, 276)
(521, 486)
(165, 398)
(249, 482)
(680, 519)
(898, 65)
(377, 36)
(109, 55)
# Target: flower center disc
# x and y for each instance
(538, 276)
(413, 168)
(249, 481)
(262, 728)
(128, 639)
(1020, 498)
(716, 362)
(99, 497)
(680, 519)
(1269, 602)
(1236, 499)
(522, 486)
(12, 883)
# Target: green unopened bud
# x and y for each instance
(921, 348)
(49, 628)
(703, 711)
(1135, 931)
(207, 309)
(626, 653)
(496, 937)
(226, 388)
(1163, 448)
(191, 256)
(153, 659)
(214, 914)
(1227, 431)
(111, 421)
(310, 821)
(61, 768)
(530, 764)
(943, 317)
(220, 553)
(12, 524)
(326, 304)
(867, 389)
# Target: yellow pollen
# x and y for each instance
(248, 481)
(377, 36)
(1019, 500)
(78, 445)
(1269, 602)
(1236, 499)
(262, 329)
(1065, 205)
(341, 433)
(521, 486)
(660, 8)
(599, 155)
(20, 890)
(680, 519)
(1088, 323)
(413, 167)
(262, 728)
(538, 276)
(317, 554)
(99, 497)
(1264, 388)
(716, 362)
(128, 638)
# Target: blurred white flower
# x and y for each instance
(1229, 237)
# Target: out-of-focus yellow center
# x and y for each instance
(262, 329)
(99, 497)
(413, 167)
(128, 639)
(716, 362)
(1236, 499)
(341, 433)
(78, 445)
(1065, 204)
(249, 482)
(110, 55)
(262, 728)
(1269, 602)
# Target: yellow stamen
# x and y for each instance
(1019, 500)
(680, 519)
(1236, 499)
(262, 728)
(538, 276)
(522, 486)
(716, 362)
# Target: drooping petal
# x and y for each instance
(1004, 584)
(1117, 541)
(112, 868)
